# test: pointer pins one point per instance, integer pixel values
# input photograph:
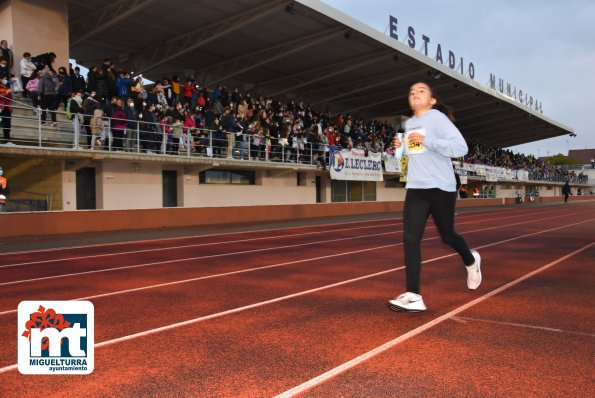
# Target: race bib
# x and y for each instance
(415, 148)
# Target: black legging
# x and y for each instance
(419, 204)
(5, 122)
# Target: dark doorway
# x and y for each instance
(85, 189)
(170, 188)
(318, 189)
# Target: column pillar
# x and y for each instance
(36, 27)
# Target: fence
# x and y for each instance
(33, 127)
(13, 205)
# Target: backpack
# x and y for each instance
(69, 114)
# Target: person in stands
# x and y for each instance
(28, 69)
(5, 109)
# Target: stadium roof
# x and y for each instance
(300, 49)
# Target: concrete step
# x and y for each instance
(26, 128)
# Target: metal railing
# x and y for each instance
(554, 175)
(37, 127)
(24, 205)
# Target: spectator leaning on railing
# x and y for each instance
(75, 112)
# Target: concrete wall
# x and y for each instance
(68, 188)
(6, 25)
(33, 178)
(126, 187)
(47, 223)
(64, 222)
(37, 27)
(387, 194)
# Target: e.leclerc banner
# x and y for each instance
(353, 164)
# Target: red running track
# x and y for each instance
(303, 311)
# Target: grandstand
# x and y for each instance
(288, 52)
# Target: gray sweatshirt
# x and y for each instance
(430, 164)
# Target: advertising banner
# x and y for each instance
(354, 165)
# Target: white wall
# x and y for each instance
(130, 186)
(125, 185)
(384, 194)
(270, 188)
(68, 188)
(37, 27)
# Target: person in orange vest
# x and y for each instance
(475, 192)
(463, 192)
(3, 190)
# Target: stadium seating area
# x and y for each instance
(175, 117)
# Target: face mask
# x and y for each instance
(4, 81)
(131, 105)
(3, 65)
(1, 172)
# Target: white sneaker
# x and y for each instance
(410, 302)
(474, 272)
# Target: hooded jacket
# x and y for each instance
(47, 86)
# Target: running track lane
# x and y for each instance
(12, 273)
(271, 283)
(10, 259)
(73, 282)
(506, 344)
(350, 296)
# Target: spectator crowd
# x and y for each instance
(115, 111)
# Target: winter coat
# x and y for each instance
(47, 86)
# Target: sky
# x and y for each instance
(544, 47)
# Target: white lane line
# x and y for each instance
(239, 233)
(187, 246)
(520, 325)
(194, 258)
(318, 289)
(228, 312)
(215, 243)
(289, 263)
(137, 289)
(132, 242)
(235, 253)
(390, 344)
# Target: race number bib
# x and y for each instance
(414, 148)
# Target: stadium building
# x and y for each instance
(301, 51)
